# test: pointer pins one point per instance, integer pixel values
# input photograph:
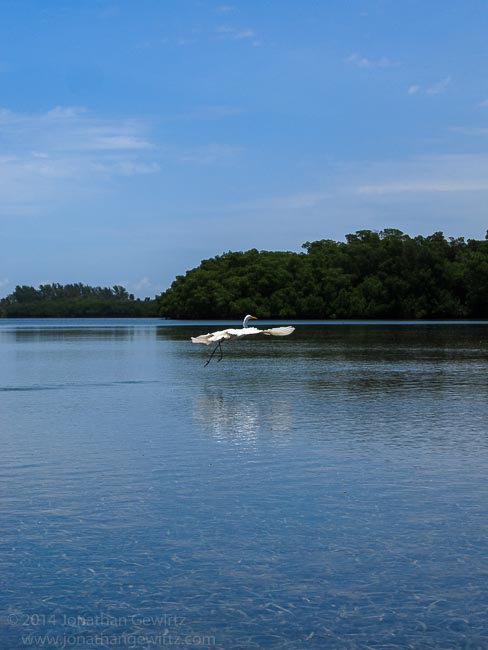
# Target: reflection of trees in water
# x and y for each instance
(240, 419)
(40, 334)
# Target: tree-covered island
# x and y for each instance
(75, 301)
(385, 274)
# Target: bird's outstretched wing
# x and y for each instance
(213, 337)
(279, 331)
(203, 338)
(224, 335)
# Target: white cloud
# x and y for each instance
(419, 187)
(297, 201)
(437, 88)
(244, 33)
(455, 173)
(142, 283)
(225, 9)
(419, 194)
(364, 62)
(142, 288)
(208, 154)
(212, 112)
(70, 129)
(128, 168)
(237, 34)
(69, 144)
(225, 29)
(118, 142)
(352, 184)
(65, 112)
(477, 131)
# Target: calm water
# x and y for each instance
(327, 490)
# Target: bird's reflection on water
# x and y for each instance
(240, 420)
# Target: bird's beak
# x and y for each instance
(254, 317)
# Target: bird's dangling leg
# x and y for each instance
(212, 354)
(221, 353)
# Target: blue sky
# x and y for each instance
(138, 137)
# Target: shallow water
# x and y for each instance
(326, 490)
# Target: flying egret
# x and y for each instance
(231, 333)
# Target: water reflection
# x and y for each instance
(328, 491)
(417, 387)
(239, 418)
(61, 334)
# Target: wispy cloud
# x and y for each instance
(429, 174)
(70, 129)
(208, 154)
(212, 112)
(483, 104)
(225, 9)
(69, 144)
(112, 142)
(414, 89)
(182, 41)
(477, 131)
(364, 62)
(87, 153)
(437, 88)
(421, 187)
(178, 41)
(366, 188)
(142, 288)
(296, 201)
(238, 34)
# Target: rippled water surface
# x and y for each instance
(325, 490)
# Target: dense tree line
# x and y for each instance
(385, 274)
(74, 300)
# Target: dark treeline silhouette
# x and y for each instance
(74, 301)
(385, 274)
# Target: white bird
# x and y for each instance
(231, 333)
